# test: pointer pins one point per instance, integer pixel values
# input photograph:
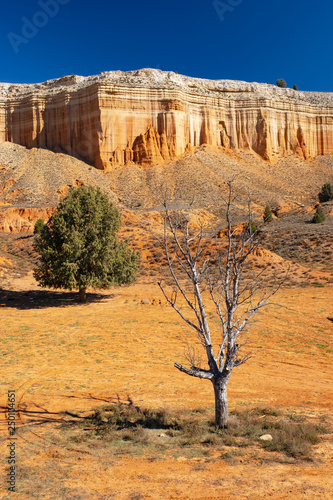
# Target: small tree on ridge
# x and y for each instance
(281, 83)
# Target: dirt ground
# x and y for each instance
(62, 360)
(60, 356)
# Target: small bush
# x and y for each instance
(326, 193)
(319, 216)
(281, 83)
(295, 87)
(39, 226)
(210, 439)
(294, 440)
(253, 227)
(268, 214)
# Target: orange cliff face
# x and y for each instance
(149, 116)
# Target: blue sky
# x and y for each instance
(252, 40)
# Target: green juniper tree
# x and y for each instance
(268, 214)
(281, 83)
(78, 246)
(326, 193)
(319, 216)
(39, 226)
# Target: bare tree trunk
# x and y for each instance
(221, 403)
(82, 295)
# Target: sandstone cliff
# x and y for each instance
(150, 116)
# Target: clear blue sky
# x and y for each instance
(254, 40)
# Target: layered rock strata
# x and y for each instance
(149, 116)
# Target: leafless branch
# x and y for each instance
(195, 372)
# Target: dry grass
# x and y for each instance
(60, 356)
(126, 428)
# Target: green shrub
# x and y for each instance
(253, 227)
(268, 214)
(39, 226)
(281, 83)
(319, 216)
(326, 193)
(295, 87)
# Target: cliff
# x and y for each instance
(150, 116)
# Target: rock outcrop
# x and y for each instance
(19, 220)
(150, 116)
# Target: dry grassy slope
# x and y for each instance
(291, 186)
(32, 180)
(202, 177)
(39, 178)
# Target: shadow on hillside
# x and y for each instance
(39, 299)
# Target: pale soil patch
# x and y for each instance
(78, 357)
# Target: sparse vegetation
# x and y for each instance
(72, 358)
(326, 193)
(66, 345)
(127, 428)
(319, 216)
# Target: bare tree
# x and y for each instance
(235, 295)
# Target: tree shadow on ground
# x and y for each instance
(121, 414)
(33, 414)
(40, 299)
